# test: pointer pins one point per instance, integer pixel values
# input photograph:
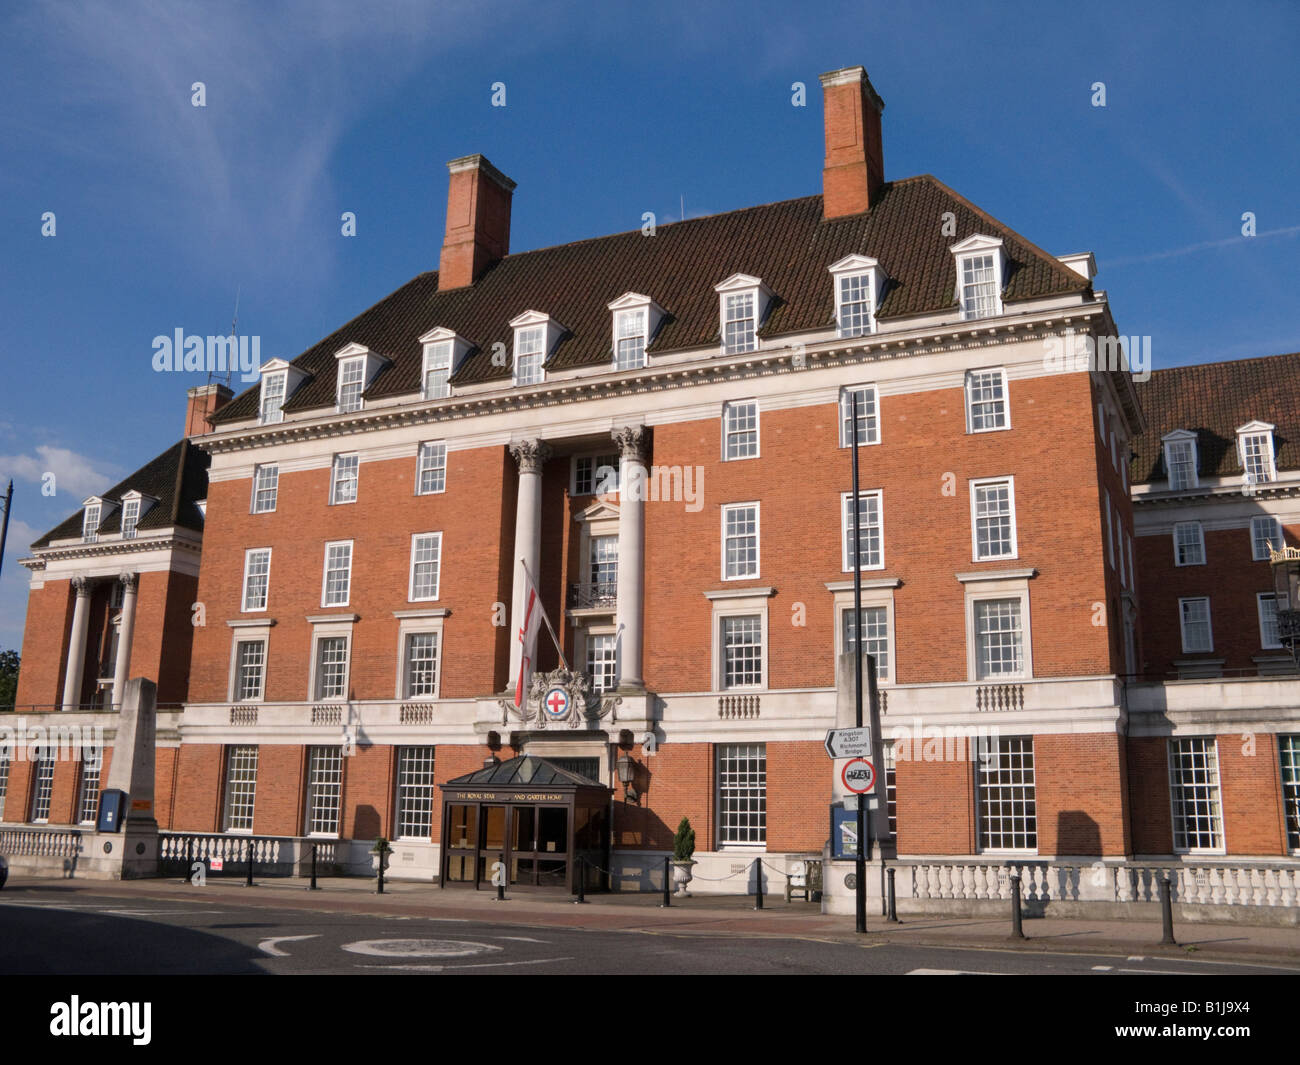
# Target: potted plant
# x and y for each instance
(683, 860)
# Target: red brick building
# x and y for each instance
(656, 426)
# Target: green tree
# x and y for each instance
(8, 679)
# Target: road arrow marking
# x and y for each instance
(268, 946)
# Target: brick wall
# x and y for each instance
(1251, 784)
(45, 647)
(1148, 788)
(1078, 780)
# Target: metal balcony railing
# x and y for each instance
(602, 595)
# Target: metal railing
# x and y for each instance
(602, 595)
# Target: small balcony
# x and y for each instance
(595, 596)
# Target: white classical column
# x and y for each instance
(125, 630)
(76, 668)
(531, 456)
(633, 444)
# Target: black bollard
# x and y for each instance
(668, 883)
(582, 880)
(1167, 913)
(381, 872)
(249, 881)
(893, 909)
(758, 893)
(313, 868)
(501, 886)
(1016, 931)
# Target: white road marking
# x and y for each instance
(1135, 957)
(419, 948)
(519, 939)
(950, 972)
(268, 946)
(1102, 968)
(456, 968)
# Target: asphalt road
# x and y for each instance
(92, 935)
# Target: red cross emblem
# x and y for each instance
(556, 702)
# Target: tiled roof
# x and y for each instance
(789, 245)
(178, 479)
(1214, 400)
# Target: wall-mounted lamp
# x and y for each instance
(626, 774)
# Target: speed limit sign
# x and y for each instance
(859, 775)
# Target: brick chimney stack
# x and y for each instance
(203, 402)
(855, 167)
(478, 221)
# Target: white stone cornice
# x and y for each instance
(868, 584)
(250, 623)
(436, 612)
(741, 593)
(675, 370)
(327, 619)
(1020, 574)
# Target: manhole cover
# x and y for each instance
(419, 948)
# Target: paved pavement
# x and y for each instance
(712, 916)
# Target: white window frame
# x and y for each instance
(431, 457)
(523, 335)
(975, 247)
(404, 659)
(993, 584)
(439, 355)
(1197, 542)
(335, 464)
(631, 324)
(575, 489)
(986, 482)
(738, 603)
(857, 268)
(270, 471)
(733, 751)
(1177, 439)
(590, 637)
(993, 759)
(729, 411)
(1183, 619)
(226, 787)
(90, 519)
(1276, 535)
(870, 417)
(427, 763)
(1262, 598)
(42, 786)
(969, 400)
(331, 789)
(411, 597)
(1215, 795)
(320, 633)
(345, 368)
(842, 615)
(877, 592)
(629, 307)
(1289, 759)
(130, 517)
(275, 414)
(243, 636)
(1261, 431)
(846, 531)
(88, 785)
(741, 286)
(758, 541)
(266, 597)
(325, 599)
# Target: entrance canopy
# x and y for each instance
(526, 819)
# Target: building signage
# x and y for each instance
(555, 703)
(859, 775)
(849, 742)
(510, 796)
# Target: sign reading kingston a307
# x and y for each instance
(849, 742)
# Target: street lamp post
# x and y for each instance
(1286, 591)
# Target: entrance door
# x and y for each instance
(462, 842)
(539, 846)
(491, 841)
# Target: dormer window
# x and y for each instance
(535, 337)
(981, 270)
(1255, 450)
(352, 382)
(742, 303)
(636, 317)
(443, 352)
(859, 283)
(1180, 459)
(279, 379)
(130, 518)
(90, 523)
(273, 397)
(357, 368)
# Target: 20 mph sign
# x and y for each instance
(859, 776)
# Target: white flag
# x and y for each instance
(532, 622)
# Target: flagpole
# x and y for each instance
(554, 639)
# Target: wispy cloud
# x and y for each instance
(1205, 245)
(284, 82)
(75, 475)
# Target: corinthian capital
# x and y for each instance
(531, 455)
(128, 581)
(80, 585)
(633, 442)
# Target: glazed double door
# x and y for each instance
(531, 841)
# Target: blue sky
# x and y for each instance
(165, 210)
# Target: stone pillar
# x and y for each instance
(125, 630)
(531, 455)
(132, 851)
(633, 444)
(76, 669)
